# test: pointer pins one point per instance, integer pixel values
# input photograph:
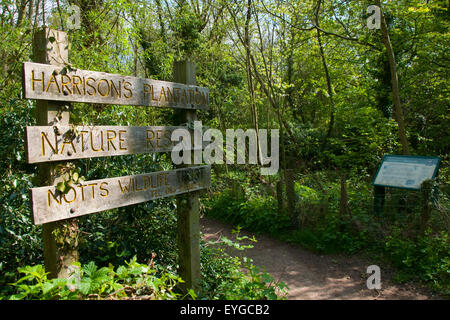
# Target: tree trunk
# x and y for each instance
(394, 79)
(344, 207)
(280, 197)
(250, 84)
(290, 194)
(328, 78)
(21, 12)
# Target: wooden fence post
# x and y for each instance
(60, 239)
(279, 191)
(290, 194)
(188, 206)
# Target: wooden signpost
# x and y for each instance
(61, 83)
(56, 143)
(54, 84)
(188, 206)
(51, 47)
(98, 195)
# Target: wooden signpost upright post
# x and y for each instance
(60, 238)
(188, 206)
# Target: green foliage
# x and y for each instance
(132, 280)
(143, 230)
(306, 193)
(70, 175)
(224, 280)
(186, 26)
(20, 240)
(427, 258)
(256, 213)
(330, 235)
(291, 93)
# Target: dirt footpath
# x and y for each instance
(313, 276)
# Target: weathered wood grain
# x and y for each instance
(56, 143)
(48, 82)
(52, 47)
(188, 205)
(49, 205)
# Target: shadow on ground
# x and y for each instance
(313, 276)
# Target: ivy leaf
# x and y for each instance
(61, 186)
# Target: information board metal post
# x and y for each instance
(60, 239)
(379, 197)
(188, 206)
(425, 214)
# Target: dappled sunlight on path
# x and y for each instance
(313, 276)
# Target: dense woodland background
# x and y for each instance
(310, 68)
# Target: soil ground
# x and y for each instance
(313, 276)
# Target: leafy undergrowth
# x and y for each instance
(428, 259)
(130, 281)
(222, 278)
(256, 213)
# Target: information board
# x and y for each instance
(407, 172)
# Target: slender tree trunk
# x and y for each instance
(330, 92)
(161, 21)
(21, 11)
(328, 78)
(135, 58)
(290, 194)
(425, 215)
(30, 13)
(250, 84)
(36, 14)
(394, 79)
(221, 119)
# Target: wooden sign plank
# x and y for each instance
(57, 143)
(48, 82)
(49, 205)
